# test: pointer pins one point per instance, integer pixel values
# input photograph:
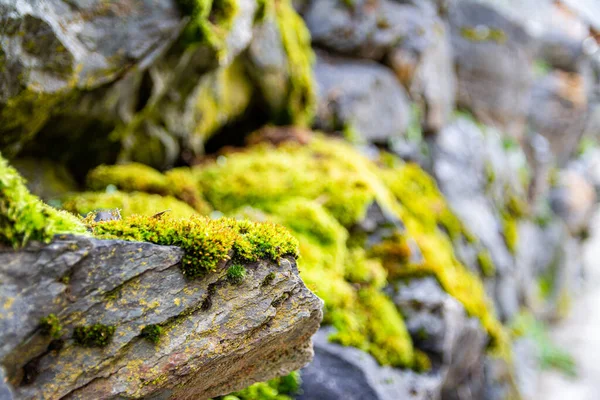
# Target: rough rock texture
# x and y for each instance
(216, 337)
(53, 46)
(559, 112)
(493, 58)
(439, 326)
(360, 96)
(339, 372)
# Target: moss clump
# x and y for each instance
(51, 326)
(206, 242)
(268, 279)
(152, 333)
(301, 102)
(236, 274)
(482, 34)
(182, 185)
(25, 217)
(282, 388)
(132, 177)
(320, 191)
(128, 204)
(210, 22)
(486, 264)
(96, 335)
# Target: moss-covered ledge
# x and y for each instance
(152, 306)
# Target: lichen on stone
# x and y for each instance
(51, 326)
(24, 217)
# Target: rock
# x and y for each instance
(339, 372)
(45, 179)
(493, 58)
(360, 96)
(51, 47)
(574, 200)
(422, 60)
(439, 326)
(258, 330)
(559, 112)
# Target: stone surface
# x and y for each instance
(574, 200)
(339, 372)
(362, 96)
(493, 58)
(559, 112)
(257, 330)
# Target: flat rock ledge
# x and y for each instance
(215, 336)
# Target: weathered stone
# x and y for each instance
(360, 96)
(45, 179)
(493, 58)
(574, 200)
(559, 111)
(339, 372)
(257, 330)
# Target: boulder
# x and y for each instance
(49, 48)
(361, 97)
(559, 111)
(493, 57)
(339, 372)
(86, 318)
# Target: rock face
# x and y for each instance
(339, 372)
(361, 96)
(493, 58)
(215, 336)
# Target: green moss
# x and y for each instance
(320, 190)
(51, 326)
(210, 22)
(128, 204)
(23, 217)
(236, 274)
(222, 95)
(301, 102)
(152, 333)
(477, 34)
(268, 279)
(282, 388)
(206, 242)
(486, 264)
(97, 335)
(132, 177)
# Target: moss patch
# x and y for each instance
(282, 388)
(51, 326)
(97, 335)
(128, 178)
(206, 242)
(152, 333)
(236, 274)
(128, 204)
(24, 217)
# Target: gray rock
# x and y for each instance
(49, 47)
(493, 58)
(439, 326)
(339, 372)
(423, 62)
(559, 112)
(574, 200)
(361, 95)
(131, 285)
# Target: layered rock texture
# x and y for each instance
(426, 168)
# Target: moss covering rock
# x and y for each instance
(24, 217)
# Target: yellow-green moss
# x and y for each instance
(301, 104)
(236, 274)
(96, 335)
(511, 231)
(210, 22)
(127, 203)
(133, 177)
(484, 33)
(25, 217)
(51, 326)
(321, 190)
(222, 95)
(206, 242)
(486, 264)
(281, 388)
(152, 333)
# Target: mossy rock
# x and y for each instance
(24, 217)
